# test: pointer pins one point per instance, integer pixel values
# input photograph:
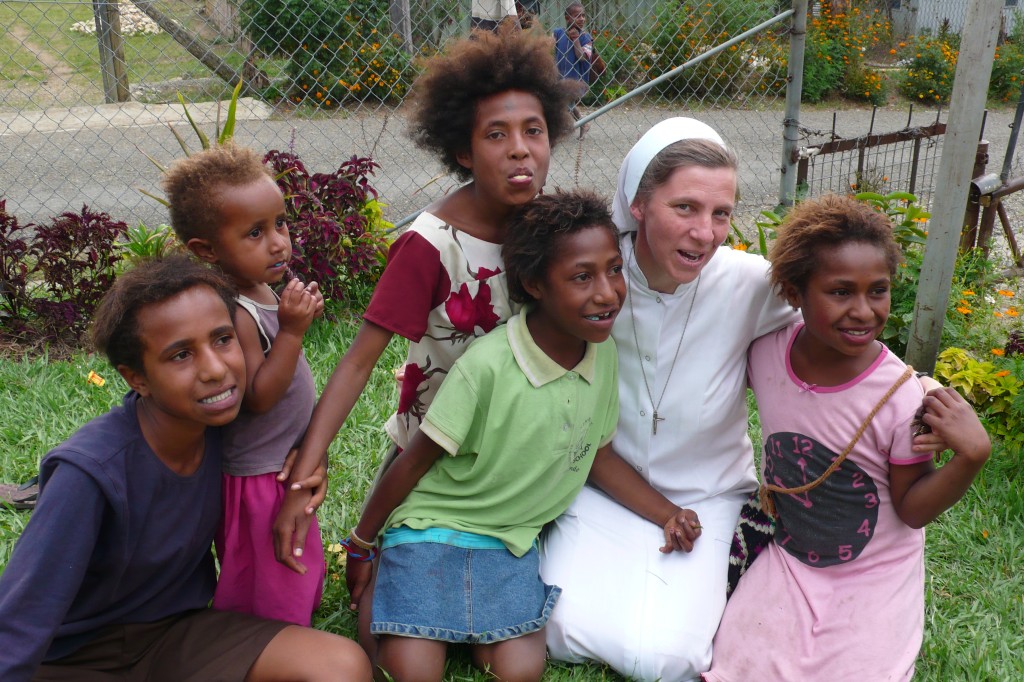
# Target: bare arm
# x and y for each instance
(270, 376)
(339, 396)
(611, 474)
(400, 478)
(920, 492)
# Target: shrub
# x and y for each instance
(1007, 68)
(834, 55)
(55, 274)
(931, 65)
(336, 51)
(992, 387)
(865, 84)
(75, 257)
(14, 269)
(337, 228)
(685, 30)
(823, 65)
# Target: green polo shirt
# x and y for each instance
(521, 433)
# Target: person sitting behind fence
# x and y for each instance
(574, 48)
(113, 574)
(226, 207)
(839, 594)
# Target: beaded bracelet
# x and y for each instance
(353, 551)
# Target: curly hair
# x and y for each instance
(115, 329)
(445, 96)
(828, 221)
(536, 230)
(192, 185)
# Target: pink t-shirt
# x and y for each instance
(839, 595)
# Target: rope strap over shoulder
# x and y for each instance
(768, 503)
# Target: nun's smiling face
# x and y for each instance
(681, 223)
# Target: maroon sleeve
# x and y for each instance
(413, 283)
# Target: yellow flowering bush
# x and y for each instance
(931, 64)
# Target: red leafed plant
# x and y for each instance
(338, 232)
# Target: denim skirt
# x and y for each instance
(457, 587)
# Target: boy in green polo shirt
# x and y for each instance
(506, 445)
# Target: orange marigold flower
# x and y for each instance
(1005, 292)
(997, 314)
(963, 310)
(1003, 373)
(998, 351)
(1012, 312)
(740, 247)
(967, 292)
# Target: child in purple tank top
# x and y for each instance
(226, 207)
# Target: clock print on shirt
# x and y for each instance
(830, 524)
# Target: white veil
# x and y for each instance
(633, 166)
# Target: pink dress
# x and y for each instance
(255, 445)
(839, 595)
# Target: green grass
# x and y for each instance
(149, 58)
(975, 589)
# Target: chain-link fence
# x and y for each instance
(88, 89)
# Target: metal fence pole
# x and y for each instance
(791, 120)
(970, 91)
(112, 64)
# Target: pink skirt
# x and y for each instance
(251, 579)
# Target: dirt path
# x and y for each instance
(57, 86)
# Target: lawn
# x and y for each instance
(975, 590)
(39, 34)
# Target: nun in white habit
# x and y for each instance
(692, 308)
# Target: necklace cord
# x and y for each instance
(636, 340)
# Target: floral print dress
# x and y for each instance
(441, 289)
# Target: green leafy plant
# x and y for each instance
(142, 243)
(907, 216)
(993, 389)
(683, 30)
(1007, 70)
(766, 225)
(931, 64)
(220, 134)
(336, 52)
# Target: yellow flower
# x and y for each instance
(739, 247)
(967, 292)
(95, 378)
(984, 534)
(998, 351)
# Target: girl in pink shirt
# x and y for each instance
(839, 594)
